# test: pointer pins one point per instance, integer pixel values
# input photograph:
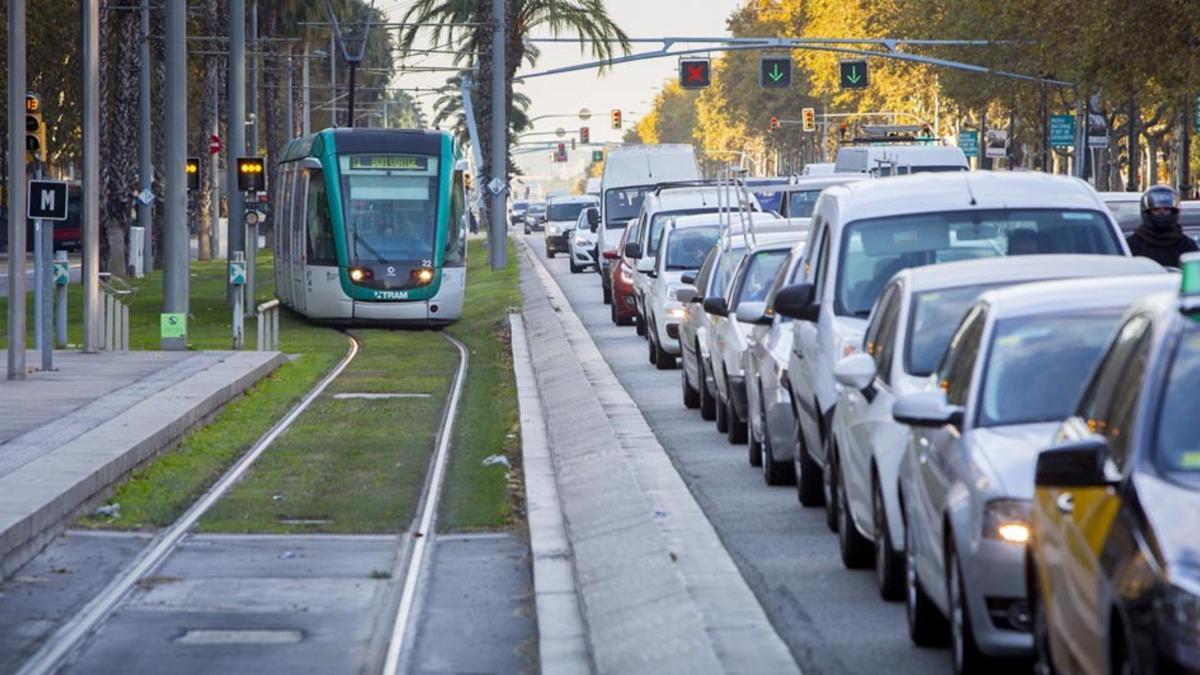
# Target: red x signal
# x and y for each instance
(695, 73)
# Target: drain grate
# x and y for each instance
(239, 637)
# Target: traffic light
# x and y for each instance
(585, 135)
(694, 73)
(810, 119)
(773, 124)
(843, 129)
(775, 72)
(561, 156)
(615, 116)
(572, 143)
(35, 129)
(192, 168)
(597, 156)
(252, 174)
(853, 74)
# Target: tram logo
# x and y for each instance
(391, 271)
(391, 295)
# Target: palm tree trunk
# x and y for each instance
(120, 165)
(207, 200)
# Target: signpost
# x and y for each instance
(997, 143)
(46, 200)
(1196, 114)
(775, 72)
(695, 73)
(853, 74)
(968, 142)
(1062, 131)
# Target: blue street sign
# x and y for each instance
(968, 142)
(237, 273)
(1062, 131)
(62, 273)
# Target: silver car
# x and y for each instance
(1014, 369)
(699, 385)
(908, 332)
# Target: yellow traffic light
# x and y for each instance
(35, 130)
(251, 174)
(192, 169)
(616, 118)
(810, 119)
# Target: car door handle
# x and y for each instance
(1065, 503)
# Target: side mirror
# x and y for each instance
(1074, 464)
(633, 251)
(688, 278)
(754, 313)
(716, 306)
(644, 265)
(685, 295)
(856, 371)
(610, 254)
(797, 302)
(926, 409)
(593, 219)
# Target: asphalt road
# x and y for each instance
(75, 273)
(831, 618)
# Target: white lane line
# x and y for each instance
(376, 397)
(73, 632)
(424, 531)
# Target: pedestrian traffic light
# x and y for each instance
(773, 123)
(810, 119)
(616, 118)
(252, 174)
(35, 130)
(192, 168)
(585, 135)
(597, 156)
(694, 73)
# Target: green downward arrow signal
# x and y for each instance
(853, 77)
(776, 74)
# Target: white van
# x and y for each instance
(629, 174)
(881, 161)
(593, 187)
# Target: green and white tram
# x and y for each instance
(370, 227)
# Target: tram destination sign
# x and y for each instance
(396, 162)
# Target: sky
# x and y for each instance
(630, 87)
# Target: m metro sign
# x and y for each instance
(47, 200)
(695, 73)
(853, 74)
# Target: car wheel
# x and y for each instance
(662, 359)
(722, 413)
(808, 474)
(736, 432)
(754, 445)
(774, 472)
(1043, 662)
(527, 232)
(889, 565)
(605, 291)
(691, 396)
(639, 325)
(926, 625)
(651, 354)
(967, 657)
(549, 253)
(575, 269)
(708, 404)
(854, 548)
(829, 488)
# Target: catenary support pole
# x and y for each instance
(214, 158)
(91, 176)
(498, 232)
(175, 235)
(145, 211)
(306, 120)
(235, 234)
(289, 112)
(333, 120)
(251, 236)
(16, 190)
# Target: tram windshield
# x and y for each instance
(391, 205)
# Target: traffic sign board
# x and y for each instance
(1062, 131)
(146, 197)
(62, 273)
(775, 72)
(695, 73)
(237, 272)
(968, 142)
(496, 186)
(597, 155)
(173, 325)
(47, 200)
(853, 74)
(214, 144)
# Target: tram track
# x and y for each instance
(72, 636)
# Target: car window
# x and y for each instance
(871, 335)
(822, 263)
(566, 210)
(758, 273)
(800, 203)
(687, 248)
(728, 262)
(1105, 406)
(1036, 365)
(787, 270)
(660, 220)
(882, 348)
(621, 204)
(706, 269)
(1177, 438)
(873, 250)
(954, 375)
(931, 323)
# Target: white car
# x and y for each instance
(1015, 369)
(582, 240)
(864, 233)
(686, 242)
(728, 338)
(800, 196)
(561, 215)
(908, 333)
(896, 160)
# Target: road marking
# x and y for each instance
(239, 637)
(375, 397)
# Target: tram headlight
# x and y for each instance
(360, 274)
(423, 275)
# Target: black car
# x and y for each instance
(1114, 558)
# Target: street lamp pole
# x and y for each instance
(16, 189)
(91, 176)
(498, 232)
(236, 234)
(175, 235)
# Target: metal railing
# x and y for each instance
(114, 312)
(268, 326)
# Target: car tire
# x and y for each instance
(736, 432)
(605, 291)
(550, 253)
(853, 547)
(829, 488)
(754, 445)
(708, 403)
(691, 396)
(575, 269)
(639, 325)
(808, 474)
(889, 563)
(527, 232)
(966, 654)
(926, 625)
(651, 355)
(1043, 660)
(774, 472)
(722, 414)
(663, 360)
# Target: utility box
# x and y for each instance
(137, 250)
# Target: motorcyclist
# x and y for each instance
(1160, 237)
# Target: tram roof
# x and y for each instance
(367, 139)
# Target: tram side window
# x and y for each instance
(319, 226)
(455, 246)
(283, 228)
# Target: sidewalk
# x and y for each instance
(656, 589)
(68, 435)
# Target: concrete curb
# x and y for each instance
(711, 609)
(38, 498)
(562, 639)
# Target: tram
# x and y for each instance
(370, 227)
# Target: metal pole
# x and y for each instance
(16, 190)
(252, 107)
(46, 281)
(332, 79)
(60, 303)
(289, 111)
(238, 300)
(498, 232)
(350, 105)
(214, 243)
(175, 235)
(91, 176)
(235, 235)
(306, 120)
(145, 158)
(38, 290)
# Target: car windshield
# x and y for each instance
(519, 206)
(724, 270)
(622, 204)
(687, 247)
(931, 323)
(391, 206)
(1037, 365)
(540, 207)
(903, 170)
(760, 274)
(567, 210)
(801, 203)
(1178, 436)
(660, 220)
(874, 250)
(1125, 210)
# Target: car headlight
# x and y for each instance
(550, 229)
(1179, 606)
(1006, 520)
(582, 243)
(676, 312)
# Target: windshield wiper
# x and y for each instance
(371, 249)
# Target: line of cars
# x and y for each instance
(949, 364)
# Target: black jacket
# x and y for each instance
(1163, 250)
